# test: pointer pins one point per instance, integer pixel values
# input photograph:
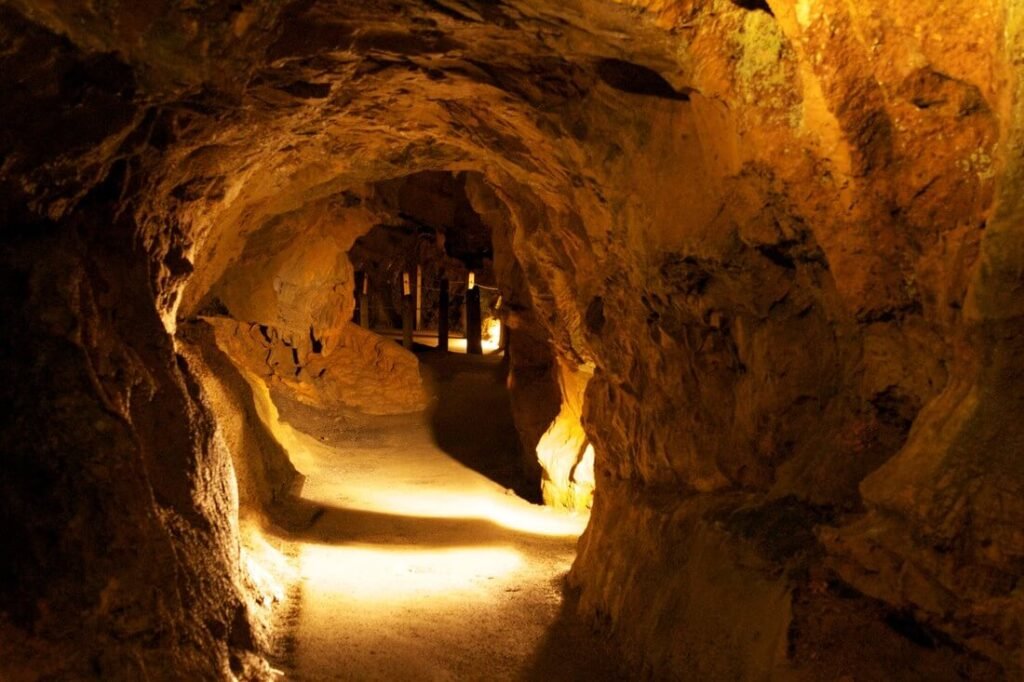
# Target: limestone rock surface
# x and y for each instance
(785, 235)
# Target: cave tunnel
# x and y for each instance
(432, 259)
(732, 386)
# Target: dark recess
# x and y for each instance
(638, 80)
(754, 4)
(306, 90)
(595, 315)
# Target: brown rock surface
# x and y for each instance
(786, 235)
(365, 372)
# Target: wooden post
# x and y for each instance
(364, 302)
(474, 329)
(419, 297)
(442, 315)
(407, 311)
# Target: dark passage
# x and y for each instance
(472, 417)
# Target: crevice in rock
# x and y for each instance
(761, 5)
(638, 80)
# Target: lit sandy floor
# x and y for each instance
(413, 566)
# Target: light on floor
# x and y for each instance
(388, 574)
(507, 511)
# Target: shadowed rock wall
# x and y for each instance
(119, 501)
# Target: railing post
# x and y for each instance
(474, 328)
(419, 297)
(364, 302)
(407, 311)
(442, 315)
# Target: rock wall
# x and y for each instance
(366, 372)
(264, 474)
(819, 338)
(785, 235)
(120, 545)
(281, 309)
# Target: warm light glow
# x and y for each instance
(472, 564)
(383, 575)
(563, 451)
(266, 566)
(492, 331)
(464, 495)
(583, 472)
(804, 9)
(568, 463)
(507, 511)
(456, 344)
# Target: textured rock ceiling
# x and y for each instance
(784, 237)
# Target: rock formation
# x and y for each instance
(778, 241)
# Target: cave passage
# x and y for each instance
(751, 310)
(426, 275)
(414, 509)
(405, 562)
(472, 419)
(413, 542)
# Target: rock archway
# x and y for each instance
(777, 243)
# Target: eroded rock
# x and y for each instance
(785, 235)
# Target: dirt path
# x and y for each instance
(413, 566)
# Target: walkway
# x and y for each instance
(414, 566)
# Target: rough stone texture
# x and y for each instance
(566, 456)
(366, 372)
(293, 275)
(114, 478)
(263, 471)
(785, 234)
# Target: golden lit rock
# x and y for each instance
(759, 269)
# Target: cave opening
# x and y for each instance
(385, 470)
(430, 268)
